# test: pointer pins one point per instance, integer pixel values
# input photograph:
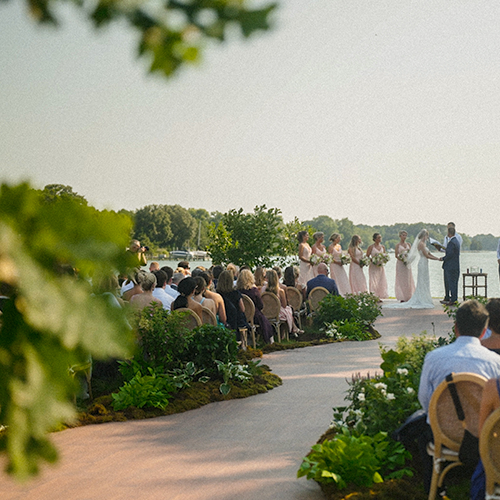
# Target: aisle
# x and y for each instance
(247, 449)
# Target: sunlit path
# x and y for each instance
(247, 449)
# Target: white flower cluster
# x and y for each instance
(402, 371)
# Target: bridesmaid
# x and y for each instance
(305, 251)
(318, 248)
(378, 280)
(337, 271)
(405, 286)
(356, 275)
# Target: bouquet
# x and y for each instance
(345, 259)
(327, 259)
(364, 261)
(403, 257)
(315, 259)
(380, 259)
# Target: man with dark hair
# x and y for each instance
(451, 268)
(168, 289)
(184, 264)
(466, 354)
(159, 292)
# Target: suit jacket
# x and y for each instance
(451, 260)
(325, 282)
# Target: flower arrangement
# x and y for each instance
(315, 259)
(380, 259)
(345, 259)
(364, 261)
(403, 257)
(327, 259)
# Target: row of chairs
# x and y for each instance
(448, 432)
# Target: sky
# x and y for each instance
(381, 112)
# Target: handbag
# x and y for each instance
(411, 428)
(469, 449)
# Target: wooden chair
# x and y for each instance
(295, 301)
(208, 317)
(489, 449)
(271, 310)
(192, 319)
(447, 429)
(315, 297)
(250, 314)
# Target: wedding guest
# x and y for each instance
(140, 300)
(376, 273)
(322, 280)
(183, 266)
(159, 292)
(168, 288)
(216, 270)
(260, 277)
(493, 340)
(154, 266)
(137, 254)
(246, 285)
(278, 272)
(305, 252)
(286, 312)
(217, 298)
(318, 248)
(405, 285)
(176, 279)
(357, 278)
(235, 309)
(132, 286)
(234, 269)
(186, 289)
(199, 295)
(337, 270)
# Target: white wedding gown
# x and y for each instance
(421, 298)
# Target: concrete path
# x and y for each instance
(247, 449)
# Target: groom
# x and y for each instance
(451, 267)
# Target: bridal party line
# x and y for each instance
(331, 252)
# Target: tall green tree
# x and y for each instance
(153, 226)
(325, 224)
(51, 322)
(53, 192)
(183, 226)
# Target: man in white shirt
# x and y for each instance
(159, 292)
(457, 236)
(168, 289)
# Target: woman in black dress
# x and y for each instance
(235, 309)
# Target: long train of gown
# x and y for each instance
(421, 298)
(305, 269)
(339, 275)
(404, 286)
(377, 278)
(356, 275)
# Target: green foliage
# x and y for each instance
(363, 309)
(231, 371)
(172, 33)
(52, 322)
(53, 192)
(350, 459)
(152, 225)
(346, 330)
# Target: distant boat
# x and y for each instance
(199, 254)
(181, 254)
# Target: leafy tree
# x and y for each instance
(252, 239)
(153, 225)
(325, 224)
(51, 321)
(182, 224)
(171, 33)
(202, 218)
(52, 192)
(484, 242)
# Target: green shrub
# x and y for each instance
(363, 309)
(350, 459)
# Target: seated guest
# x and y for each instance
(216, 297)
(291, 278)
(323, 280)
(159, 292)
(168, 288)
(140, 300)
(246, 285)
(493, 341)
(132, 285)
(186, 290)
(233, 303)
(466, 354)
(286, 312)
(107, 286)
(216, 270)
(184, 266)
(201, 286)
(278, 272)
(154, 266)
(176, 279)
(260, 278)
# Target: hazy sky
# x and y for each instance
(381, 112)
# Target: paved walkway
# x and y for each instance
(247, 449)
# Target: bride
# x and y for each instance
(421, 298)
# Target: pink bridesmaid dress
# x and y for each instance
(356, 275)
(405, 286)
(339, 275)
(305, 269)
(319, 253)
(378, 280)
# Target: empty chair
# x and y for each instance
(192, 319)
(250, 313)
(208, 317)
(294, 298)
(447, 429)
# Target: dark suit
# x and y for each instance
(325, 282)
(451, 267)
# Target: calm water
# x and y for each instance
(487, 261)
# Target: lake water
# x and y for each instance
(487, 261)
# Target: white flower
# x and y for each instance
(384, 392)
(358, 413)
(391, 396)
(410, 390)
(402, 371)
(361, 396)
(380, 385)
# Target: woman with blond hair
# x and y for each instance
(246, 285)
(260, 278)
(305, 252)
(357, 278)
(337, 271)
(404, 286)
(286, 313)
(318, 249)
